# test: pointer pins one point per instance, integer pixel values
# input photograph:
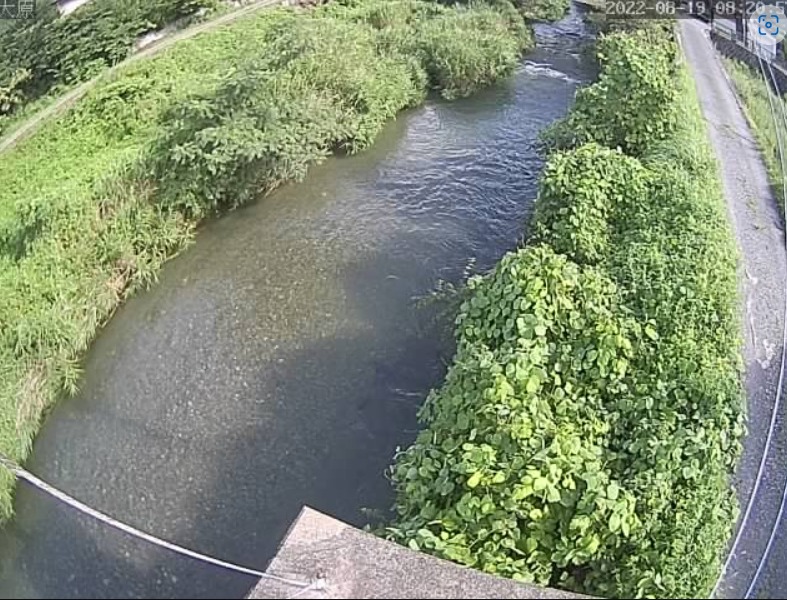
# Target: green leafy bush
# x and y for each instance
(633, 103)
(579, 192)
(510, 475)
(589, 423)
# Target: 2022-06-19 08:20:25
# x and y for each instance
(678, 9)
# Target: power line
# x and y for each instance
(132, 531)
(317, 585)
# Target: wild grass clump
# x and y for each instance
(589, 423)
(464, 50)
(543, 10)
(322, 86)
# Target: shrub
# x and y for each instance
(394, 14)
(633, 104)
(543, 10)
(510, 474)
(579, 192)
(464, 50)
(323, 87)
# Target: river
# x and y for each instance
(281, 359)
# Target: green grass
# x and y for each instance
(52, 54)
(590, 421)
(753, 92)
(96, 201)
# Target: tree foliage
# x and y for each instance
(58, 50)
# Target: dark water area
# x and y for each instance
(281, 360)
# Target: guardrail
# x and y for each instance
(748, 51)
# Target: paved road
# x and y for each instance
(757, 223)
(67, 100)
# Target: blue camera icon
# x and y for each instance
(768, 24)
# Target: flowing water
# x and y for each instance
(281, 360)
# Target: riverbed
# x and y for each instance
(281, 360)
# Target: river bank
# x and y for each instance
(94, 203)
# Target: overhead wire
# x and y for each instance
(774, 530)
(52, 491)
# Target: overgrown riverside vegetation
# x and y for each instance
(754, 92)
(95, 202)
(590, 420)
(48, 51)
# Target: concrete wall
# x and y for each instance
(336, 560)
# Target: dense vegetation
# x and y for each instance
(587, 427)
(759, 108)
(47, 51)
(93, 203)
(319, 89)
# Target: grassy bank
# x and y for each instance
(753, 92)
(94, 203)
(48, 54)
(588, 425)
